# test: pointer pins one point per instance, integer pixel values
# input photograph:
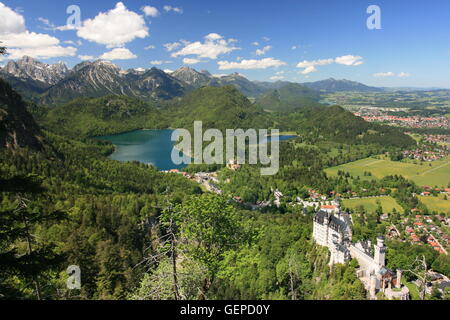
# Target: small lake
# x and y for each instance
(150, 147)
(147, 146)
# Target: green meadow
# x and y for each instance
(438, 204)
(436, 173)
(371, 204)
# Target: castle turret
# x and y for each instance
(373, 287)
(380, 252)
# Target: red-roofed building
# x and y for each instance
(330, 208)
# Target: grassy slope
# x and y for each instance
(437, 204)
(370, 204)
(438, 174)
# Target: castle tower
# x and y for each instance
(373, 287)
(380, 252)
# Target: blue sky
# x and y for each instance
(294, 40)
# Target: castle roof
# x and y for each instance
(320, 216)
(339, 223)
(340, 247)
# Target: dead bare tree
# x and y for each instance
(21, 210)
(420, 270)
(167, 247)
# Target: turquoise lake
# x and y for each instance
(148, 146)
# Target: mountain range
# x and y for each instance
(56, 84)
(216, 106)
(333, 85)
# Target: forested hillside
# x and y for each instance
(85, 117)
(338, 125)
(289, 97)
(217, 107)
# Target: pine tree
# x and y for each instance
(21, 256)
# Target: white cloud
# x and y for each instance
(172, 46)
(168, 71)
(295, 47)
(310, 66)
(384, 74)
(42, 52)
(78, 43)
(309, 69)
(28, 40)
(150, 47)
(275, 78)
(118, 54)
(159, 62)
(349, 60)
(174, 9)
(256, 43)
(265, 38)
(213, 37)
(66, 27)
(10, 21)
(114, 28)
(150, 11)
(84, 58)
(251, 64)
(21, 42)
(191, 61)
(48, 23)
(261, 52)
(213, 46)
(391, 74)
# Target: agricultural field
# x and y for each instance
(438, 204)
(371, 204)
(432, 174)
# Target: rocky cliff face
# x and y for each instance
(17, 126)
(195, 78)
(100, 78)
(29, 68)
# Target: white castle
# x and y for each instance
(332, 229)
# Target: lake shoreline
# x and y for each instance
(155, 149)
